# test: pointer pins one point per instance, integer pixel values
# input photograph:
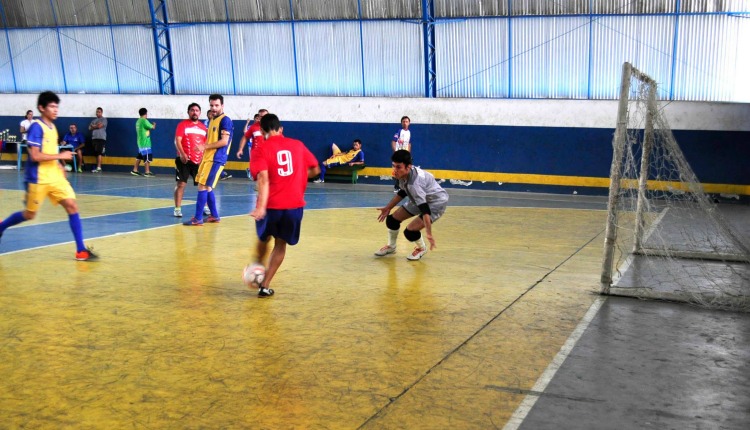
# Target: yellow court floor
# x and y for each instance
(161, 332)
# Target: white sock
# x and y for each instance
(392, 236)
(420, 242)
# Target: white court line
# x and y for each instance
(528, 402)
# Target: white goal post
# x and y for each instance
(665, 238)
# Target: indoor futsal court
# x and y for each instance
(500, 326)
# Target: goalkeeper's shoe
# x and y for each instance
(416, 254)
(385, 250)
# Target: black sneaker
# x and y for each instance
(265, 292)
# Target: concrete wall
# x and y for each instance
(544, 145)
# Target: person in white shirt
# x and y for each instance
(25, 124)
(401, 140)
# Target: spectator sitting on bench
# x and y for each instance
(354, 156)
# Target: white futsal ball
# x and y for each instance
(68, 168)
(253, 275)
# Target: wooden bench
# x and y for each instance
(344, 173)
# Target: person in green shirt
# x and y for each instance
(143, 130)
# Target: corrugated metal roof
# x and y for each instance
(28, 13)
(535, 7)
(81, 12)
(330, 9)
(129, 12)
(391, 9)
(543, 49)
(258, 10)
(633, 7)
(196, 11)
(477, 8)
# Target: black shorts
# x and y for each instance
(98, 146)
(183, 171)
(147, 157)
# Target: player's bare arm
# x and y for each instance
(386, 210)
(178, 146)
(38, 156)
(428, 230)
(224, 141)
(243, 142)
(262, 198)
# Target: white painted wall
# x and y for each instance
(509, 112)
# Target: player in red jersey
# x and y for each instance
(284, 166)
(253, 137)
(189, 135)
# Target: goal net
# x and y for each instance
(665, 237)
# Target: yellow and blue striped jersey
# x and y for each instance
(45, 138)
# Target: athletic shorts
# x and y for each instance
(98, 146)
(56, 191)
(209, 173)
(145, 155)
(183, 171)
(284, 224)
(435, 211)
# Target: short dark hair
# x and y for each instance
(256, 116)
(191, 105)
(405, 117)
(142, 111)
(29, 112)
(100, 109)
(262, 110)
(270, 122)
(218, 97)
(46, 98)
(402, 156)
(357, 140)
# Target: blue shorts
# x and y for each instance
(284, 224)
(209, 173)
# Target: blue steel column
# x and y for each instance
(294, 47)
(10, 53)
(361, 45)
(674, 48)
(162, 46)
(510, 50)
(59, 46)
(591, 47)
(114, 49)
(231, 49)
(428, 33)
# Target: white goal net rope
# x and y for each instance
(666, 237)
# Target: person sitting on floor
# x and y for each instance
(354, 156)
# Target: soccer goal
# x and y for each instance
(665, 237)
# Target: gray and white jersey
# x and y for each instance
(421, 187)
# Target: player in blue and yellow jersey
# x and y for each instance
(45, 176)
(219, 139)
